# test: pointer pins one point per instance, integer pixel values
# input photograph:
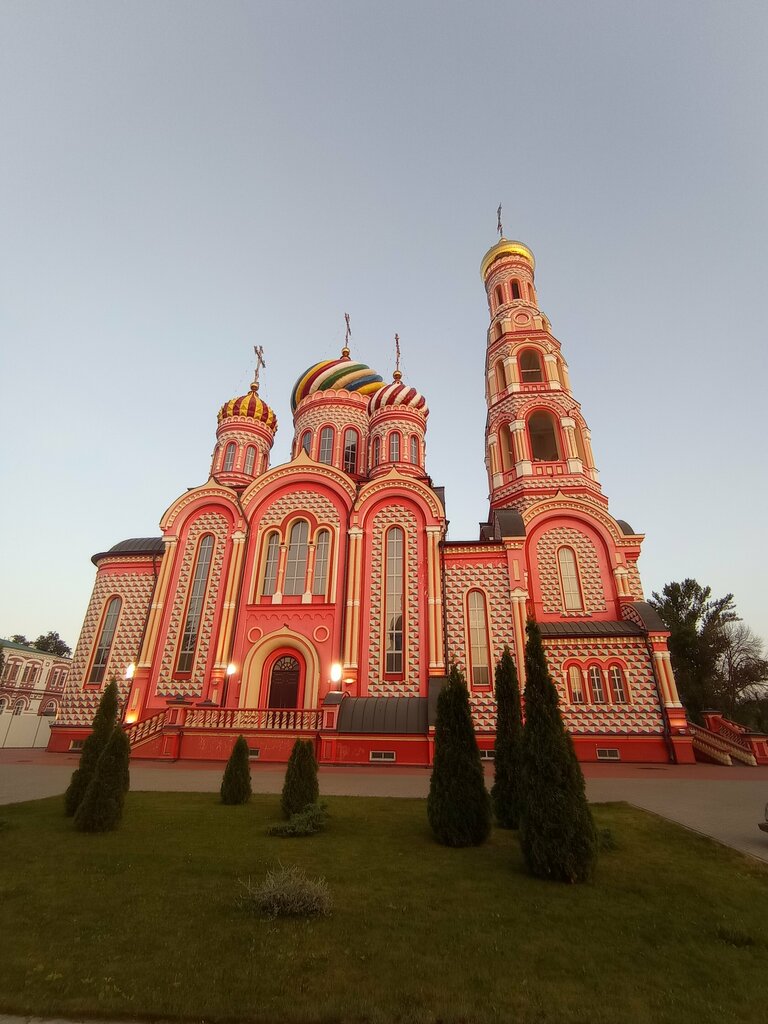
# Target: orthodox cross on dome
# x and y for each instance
(499, 228)
(397, 375)
(259, 351)
(347, 337)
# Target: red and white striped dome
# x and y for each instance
(398, 395)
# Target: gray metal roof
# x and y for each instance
(403, 715)
(625, 527)
(589, 628)
(133, 546)
(651, 618)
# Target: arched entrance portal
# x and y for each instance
(284, 683)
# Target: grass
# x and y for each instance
(143, 922)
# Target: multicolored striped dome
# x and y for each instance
(400, 395)
(249, 405)
(336, 375)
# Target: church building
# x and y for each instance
(322, 598)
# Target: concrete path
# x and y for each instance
(723, 803)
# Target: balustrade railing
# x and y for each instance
(143, 730)
(277, 719)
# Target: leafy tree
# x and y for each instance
(458, 806)
(19, 638)
(51, 643)
(697, 623)
(2, 660)
(506, 793)
(236, 784)
(101, 808)
(102, 728)
(557, 833)
(741, 666)
(300, 787)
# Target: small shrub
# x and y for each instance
(236, 784)
(734, 937)
(300, 787)
(287, 892)
(101, 808)
(101, 730)
(606, 839)
(306, 823)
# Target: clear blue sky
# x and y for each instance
(180, 181)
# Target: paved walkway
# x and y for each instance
(724, 803)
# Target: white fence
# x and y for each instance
(25, 730)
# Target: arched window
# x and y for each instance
(414, 450)
(19, 707)
(544, 446)
(596, 685)
(617, 684)
(569, 580)
(326, 445)
(306, 441)
(296, 564)
(3, 705)
(105, 641)
(49, 711)
(351, 440)
(499, 297)
(501, 380)
(229, 457)
(393, 602)
(195, 606)
(376, 450)
(530, 367)
(515, 289)
(12, 671)
(30, 673)
(478, 639)
(271, 560)
(507, 446)
(322, 553)
(394, 446)
(284, 683)
(575, 685)
(250, 458)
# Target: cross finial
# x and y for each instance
(347, 337)
(259, 352)
(397, 374)
(499, 228)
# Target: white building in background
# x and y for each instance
(31, 687)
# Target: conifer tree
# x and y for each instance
(101, 730)
(101, 808)
(506, 793)
(236, 784)
(458, 806)
(557, 834)
(300, 788)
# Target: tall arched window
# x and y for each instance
(322, 553)
(271, 560)
(544, 446)
(394, 446)
(19, 707)
(576, 685)
(3, 705)
(478, 639)
(596, 685)
(105, 641)
(306, 441)
(617, 684)
(350, 451)
(530, 367)
(569, 580)
(195, 606)
(499, 297)
(296, 564)
(414, 450)
(501, 380)
(12, 671)
(515, 289)
(229, 457)
(376, 450)
(326, 446)
(393, 602)
(250, 458)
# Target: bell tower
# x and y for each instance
(537, 441)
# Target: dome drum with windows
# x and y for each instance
(244, 436)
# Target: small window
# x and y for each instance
(350, 451)
(382, 755)
(19, 707)
(617, 685)
(270, 565)
(306, 441)
(501, 380)
(596, 685)
(105, 641)
(322, 552)
(296, 564)
(49, 711)
(530, 367)
(608, 754)
(394, 447)
(544, 446)
(569, 580)
(326, 445)
(499, 296)
(229, 457)
(575, 680)
(515, 289)
(376, 450)
(250, 459)
(3, 705)
(414, 450)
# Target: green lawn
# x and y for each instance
(143, 922)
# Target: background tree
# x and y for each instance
(741, 668)
(101, 808)
(300, 788)
(557, 834)
(236, 784)
(458, 806)
(2, 660)
(102, 728)
(19, 638)
(506, 792)
(697, 641)
(51, 643)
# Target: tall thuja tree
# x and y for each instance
(101, 808)
(236, 784)
(458, 806)
(102, 728)
(506, 793)
(557, 834)
(300, 788)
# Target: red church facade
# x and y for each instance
(323, 599)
